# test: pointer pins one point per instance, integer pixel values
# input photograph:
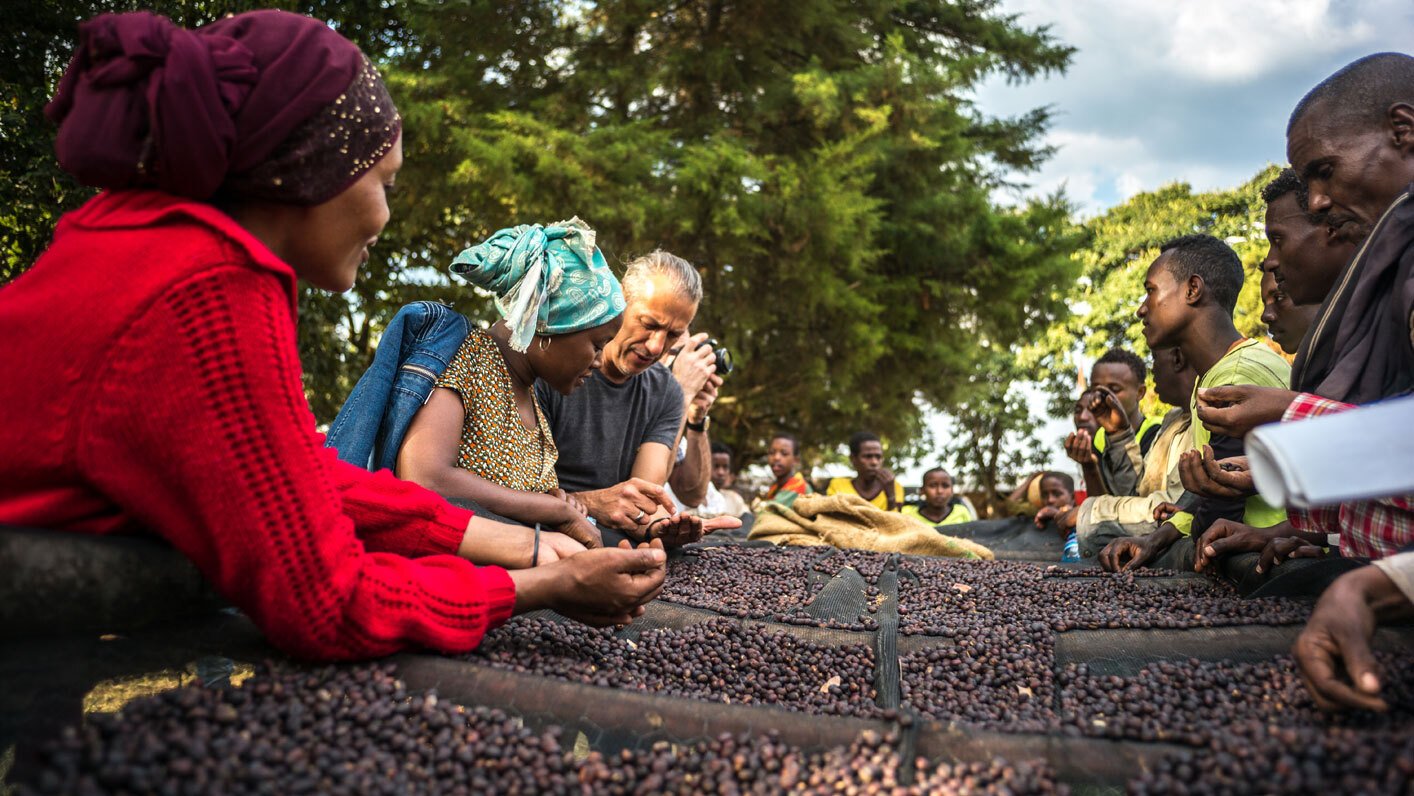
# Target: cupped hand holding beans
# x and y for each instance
(1203, 475)
(608, 586)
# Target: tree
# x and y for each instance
(823, 169)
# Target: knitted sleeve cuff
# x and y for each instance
(500, 593)
(447, 528)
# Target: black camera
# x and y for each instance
(723, 356)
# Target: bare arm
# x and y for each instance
(429, 455)
(1018, 495)
(690, 476)
(652, 463)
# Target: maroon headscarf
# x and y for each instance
(267, 105)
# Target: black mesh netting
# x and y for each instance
(820, 670)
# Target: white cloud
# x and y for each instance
(1195, 91)
(1128, 184)
(1227, 42)
(1214, 40)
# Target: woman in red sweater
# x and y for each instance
(152, 376)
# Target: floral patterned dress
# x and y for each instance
(495, 444)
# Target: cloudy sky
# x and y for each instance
(1191, 90)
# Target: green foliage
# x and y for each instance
(823, 168)
(1122, 243)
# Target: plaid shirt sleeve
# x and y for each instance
(1367, 528)
(1307, 405)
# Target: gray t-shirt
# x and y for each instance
(599, 427)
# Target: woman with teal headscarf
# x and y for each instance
(481, 436)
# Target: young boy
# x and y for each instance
(874, 482)
(1124, 435)
(1058, 500)
(1080, 445)
(941, 505)
(1057, 496)
(1190, 292)
(783, 457)
(723, 478)
(1102, 518)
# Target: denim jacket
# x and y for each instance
(415, 349)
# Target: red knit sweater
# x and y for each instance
(151, 382)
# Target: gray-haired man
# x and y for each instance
(617, 434)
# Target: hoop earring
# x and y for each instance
(544, 342)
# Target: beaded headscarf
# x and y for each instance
(264, 105)
(330, 151)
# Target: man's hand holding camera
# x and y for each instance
(698, 368)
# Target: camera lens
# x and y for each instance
(724, 361)
(724, 356)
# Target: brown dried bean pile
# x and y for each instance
(771, 584)
(1194, 701)
(762, 764)
(1254, 757)
(995, 677)
(1000, 621)
(949, 594)
(719, 660)
(753, 582)
(357, 730)
(867, 563)
(334, 730)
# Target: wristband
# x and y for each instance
(535, 551)
(700, 427)
(1182, 522)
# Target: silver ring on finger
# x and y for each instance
(639, 518)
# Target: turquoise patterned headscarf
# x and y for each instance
(547, 280)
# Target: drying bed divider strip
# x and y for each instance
(886, 640)
(1125, 651)
(676, 617)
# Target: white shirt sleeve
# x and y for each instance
(1400, 569)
